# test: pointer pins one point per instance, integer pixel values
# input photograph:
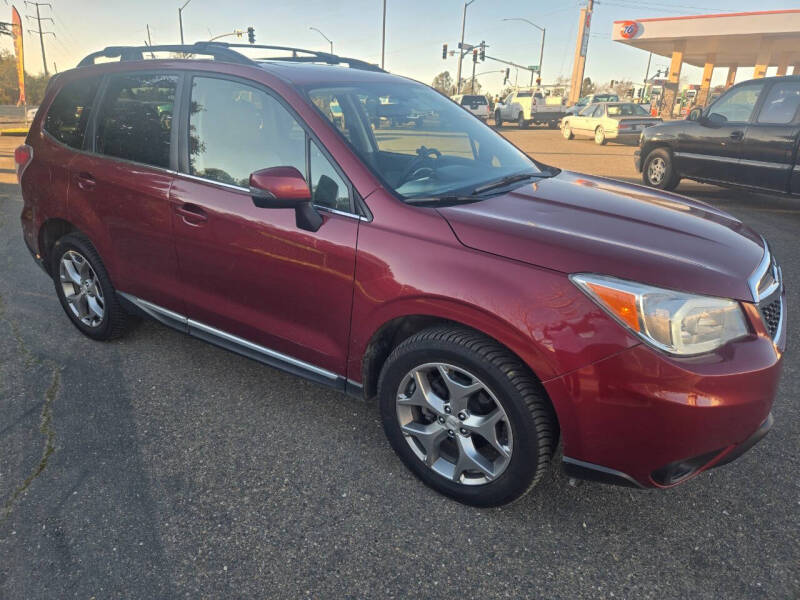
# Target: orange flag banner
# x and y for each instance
(16, 28)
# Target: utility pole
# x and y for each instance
(461, 46)
(383, 36)
(180, 18)
(39, 30)
(581, 47)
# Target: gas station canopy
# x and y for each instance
(733, 39)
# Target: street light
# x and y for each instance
(180, 18)
(541, 52)
(323, 35)
(461, 46)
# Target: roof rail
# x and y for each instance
(223, 51)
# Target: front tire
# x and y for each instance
(659, 170)
(567, 132)
(466, 416)
(84, 289)
(521, 121)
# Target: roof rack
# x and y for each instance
(225, 52)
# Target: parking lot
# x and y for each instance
(159, 466)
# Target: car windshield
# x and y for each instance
(417, 141)
(626, 110)
(468, 100)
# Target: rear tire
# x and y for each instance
(84, 289)
(434, 426)
(600, 136)
(659, 170)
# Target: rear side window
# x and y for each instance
(781, 104)
(135, 119)
(69, 113)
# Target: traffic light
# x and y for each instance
(444, 51)
(483, 51)
(251, 35)
(508, 72)
(475, 55)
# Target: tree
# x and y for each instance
(622, 88)
(466, 86)
(444, 83)
(588, 87)
(9, 87)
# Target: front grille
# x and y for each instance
(771, 312)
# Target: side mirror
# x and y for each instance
(696, 114)
(285, 187)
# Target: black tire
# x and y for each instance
(553, 124)
(523, 124)
(115, 319)
(566, 131)
(498, 120)
(664, 177)
(530, 414)
(600, 136)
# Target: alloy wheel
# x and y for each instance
(656, 170)
(81, 288)
(454, 423)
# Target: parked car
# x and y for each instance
(495, 307)
(748, 137)
(608, 121)
(585, 101)
(474, 103)
(527, 107)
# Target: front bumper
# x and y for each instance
(644, 419)
(637, 160)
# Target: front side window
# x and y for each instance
(69, 113)
(737, 105)
(417, 141)
(236, 129)
(782, 103)
(135, 119)
(587, 112)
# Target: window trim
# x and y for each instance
(765, 87)
(90, 141)
(356, 207)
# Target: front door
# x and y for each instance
(710, 148)
(249, 273)
(770, 141)
(124, 184)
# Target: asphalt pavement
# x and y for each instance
(158, 466)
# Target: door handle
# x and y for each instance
(737, 135)
(85, 181)
(192, 214)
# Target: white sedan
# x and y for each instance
(608, 121)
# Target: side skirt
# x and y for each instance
(240, 346)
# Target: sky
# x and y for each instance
(415, 31)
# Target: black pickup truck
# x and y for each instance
(748, 137)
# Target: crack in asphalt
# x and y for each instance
(46, 418)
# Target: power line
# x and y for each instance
(40, 31)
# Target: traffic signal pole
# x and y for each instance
(461, 46)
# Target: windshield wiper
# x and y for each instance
(504, 181)
(445, 200)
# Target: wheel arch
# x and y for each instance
(50, 232)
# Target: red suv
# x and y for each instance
(363, 231)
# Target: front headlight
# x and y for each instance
(678, 323)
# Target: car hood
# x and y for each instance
(577, 223)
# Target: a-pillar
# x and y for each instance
(762, 61)
(731, 77)
(705, 86)
(671, 87)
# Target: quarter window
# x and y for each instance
(737, 105)
(135, 120)
(69, 113)
(327, 188)
(781, 104)
(236, 129)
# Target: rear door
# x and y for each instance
(121, 185)
(769, 151)
(250, 274)
(710, 149)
